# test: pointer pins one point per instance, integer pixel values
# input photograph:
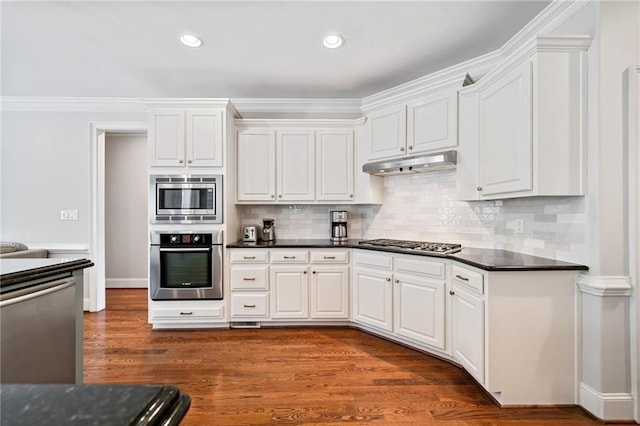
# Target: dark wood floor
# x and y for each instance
(292, 375)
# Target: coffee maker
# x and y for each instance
(268, 230)
(339, 226)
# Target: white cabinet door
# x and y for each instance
(329, 291)
(334, 165)
(419, 309)
(256, 165)
(295, 165)
(468, 332)
(204, 138)
(506, 138)
(467, 183)
(388, 132)
(166, 138)
(289, 291)
(432, 123)
(373, 298)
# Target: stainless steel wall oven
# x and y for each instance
(185, 265)
(185, 198)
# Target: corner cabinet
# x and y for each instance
(294, 162)
(186, 138)
(426, 124)
(522, 127)
(401, 294)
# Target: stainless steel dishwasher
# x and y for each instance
(38, 332)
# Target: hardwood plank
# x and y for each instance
(292, 375)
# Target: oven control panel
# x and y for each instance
(185, 239)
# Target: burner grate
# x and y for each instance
(423, 246)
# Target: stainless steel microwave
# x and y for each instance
(186, 198)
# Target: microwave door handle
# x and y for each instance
(190, 249)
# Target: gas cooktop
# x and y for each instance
(416, 246)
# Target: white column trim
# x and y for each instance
(606, 406)
(604, 286)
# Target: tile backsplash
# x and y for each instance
(424, 207)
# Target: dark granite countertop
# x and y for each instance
(15, 271)
(92, 405)
(487, 259)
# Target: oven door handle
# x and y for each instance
(191, 249)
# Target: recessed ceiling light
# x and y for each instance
(190, 40)
(332, 41)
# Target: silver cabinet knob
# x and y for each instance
(189, 161)
(397, 281)
(350, 195)
(180, 161)
(273, 196)
(410, 147)
(280, 196)
(402, 148)
(478, 188)
(451, 292)
(388, 279)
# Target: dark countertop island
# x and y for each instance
(104, 405)
(486, 259)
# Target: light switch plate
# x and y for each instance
(68, 214)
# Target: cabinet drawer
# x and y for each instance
(372, 259)
(330, 256)
(420, 266)
(468, 278)
(249, 256)
(250, 305)
(187, 313)
(250, 277)
(289, 256)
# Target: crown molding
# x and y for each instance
(547, 20)
(62, 104)
(302, 108)
(299, 123)
(604, 286)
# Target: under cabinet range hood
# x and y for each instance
(415, 164)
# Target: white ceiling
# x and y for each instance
(259, 49)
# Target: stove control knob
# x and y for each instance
(196, 238)
(174, 238)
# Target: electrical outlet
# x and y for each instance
(519, 226)
(68, 214)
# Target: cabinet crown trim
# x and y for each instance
(243, 123)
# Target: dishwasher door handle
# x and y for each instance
(37, 291)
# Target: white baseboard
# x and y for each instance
(606, 406)
(126, 283)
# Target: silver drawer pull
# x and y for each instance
(249, 278)
(289, 257)
(186, 313)
(249, 306)
(329, 257)
(460, 277)
(248, 257)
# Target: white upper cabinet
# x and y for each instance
(295, 168)
(432, 123)
(256, 165)
(505, 133)
(298, 163)
(388, 132)
(335, 165)
(186, 138)
(427, 124)
(522, 127)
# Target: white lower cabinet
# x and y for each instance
(468, 324)
(373, 297)
(289, 291)
(187, 313)
(402, 294)
(329, 291)
(289, 284)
